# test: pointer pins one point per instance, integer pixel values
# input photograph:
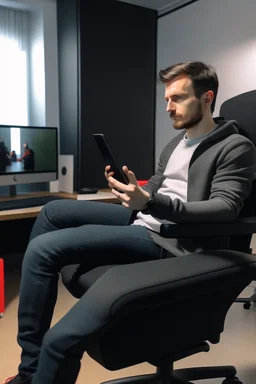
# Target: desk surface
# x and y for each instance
(24, 213)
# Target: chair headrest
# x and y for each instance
(242, 108)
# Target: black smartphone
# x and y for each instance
(109, 158)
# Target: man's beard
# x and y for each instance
(193, 120)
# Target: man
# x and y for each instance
(28, 158)
(204, 175)
(4, 155)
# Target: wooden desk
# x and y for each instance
(24, 213)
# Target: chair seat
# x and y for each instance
(170, 293)
(77, 282)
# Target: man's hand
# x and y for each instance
(133, 196)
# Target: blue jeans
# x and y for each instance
(69, 232)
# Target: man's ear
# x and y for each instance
(208, 97)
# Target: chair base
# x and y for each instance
(166, 375)
(247, 300)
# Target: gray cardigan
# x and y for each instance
(220, 177)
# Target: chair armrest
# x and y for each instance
(241, 226)
(127, 288)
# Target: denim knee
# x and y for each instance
(61, 339)
(52, 339)
(50, 209)
(36, 254)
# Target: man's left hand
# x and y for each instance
(133, 196)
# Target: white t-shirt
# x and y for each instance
(175, 183)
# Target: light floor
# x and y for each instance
(237, 346)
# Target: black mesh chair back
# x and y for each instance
(242, 108)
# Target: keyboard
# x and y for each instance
(27, 202)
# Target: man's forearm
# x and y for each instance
(213, 210)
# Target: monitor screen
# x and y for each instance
(28, 154)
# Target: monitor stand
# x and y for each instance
(12, 190)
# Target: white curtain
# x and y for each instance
(13, 66)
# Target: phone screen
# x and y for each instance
(109, 158)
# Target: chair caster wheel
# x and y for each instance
(232, 380)
(247, 305)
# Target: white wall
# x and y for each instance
(221, 33)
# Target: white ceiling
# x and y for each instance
(161, 6)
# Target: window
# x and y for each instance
(13, 67)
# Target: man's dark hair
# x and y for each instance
(204, 77)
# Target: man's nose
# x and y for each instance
(170, 107)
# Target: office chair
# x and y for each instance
(164, 310)
(242, 109)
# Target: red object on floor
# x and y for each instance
(142, 182)
(1, 287)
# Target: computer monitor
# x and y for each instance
(28, 154)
